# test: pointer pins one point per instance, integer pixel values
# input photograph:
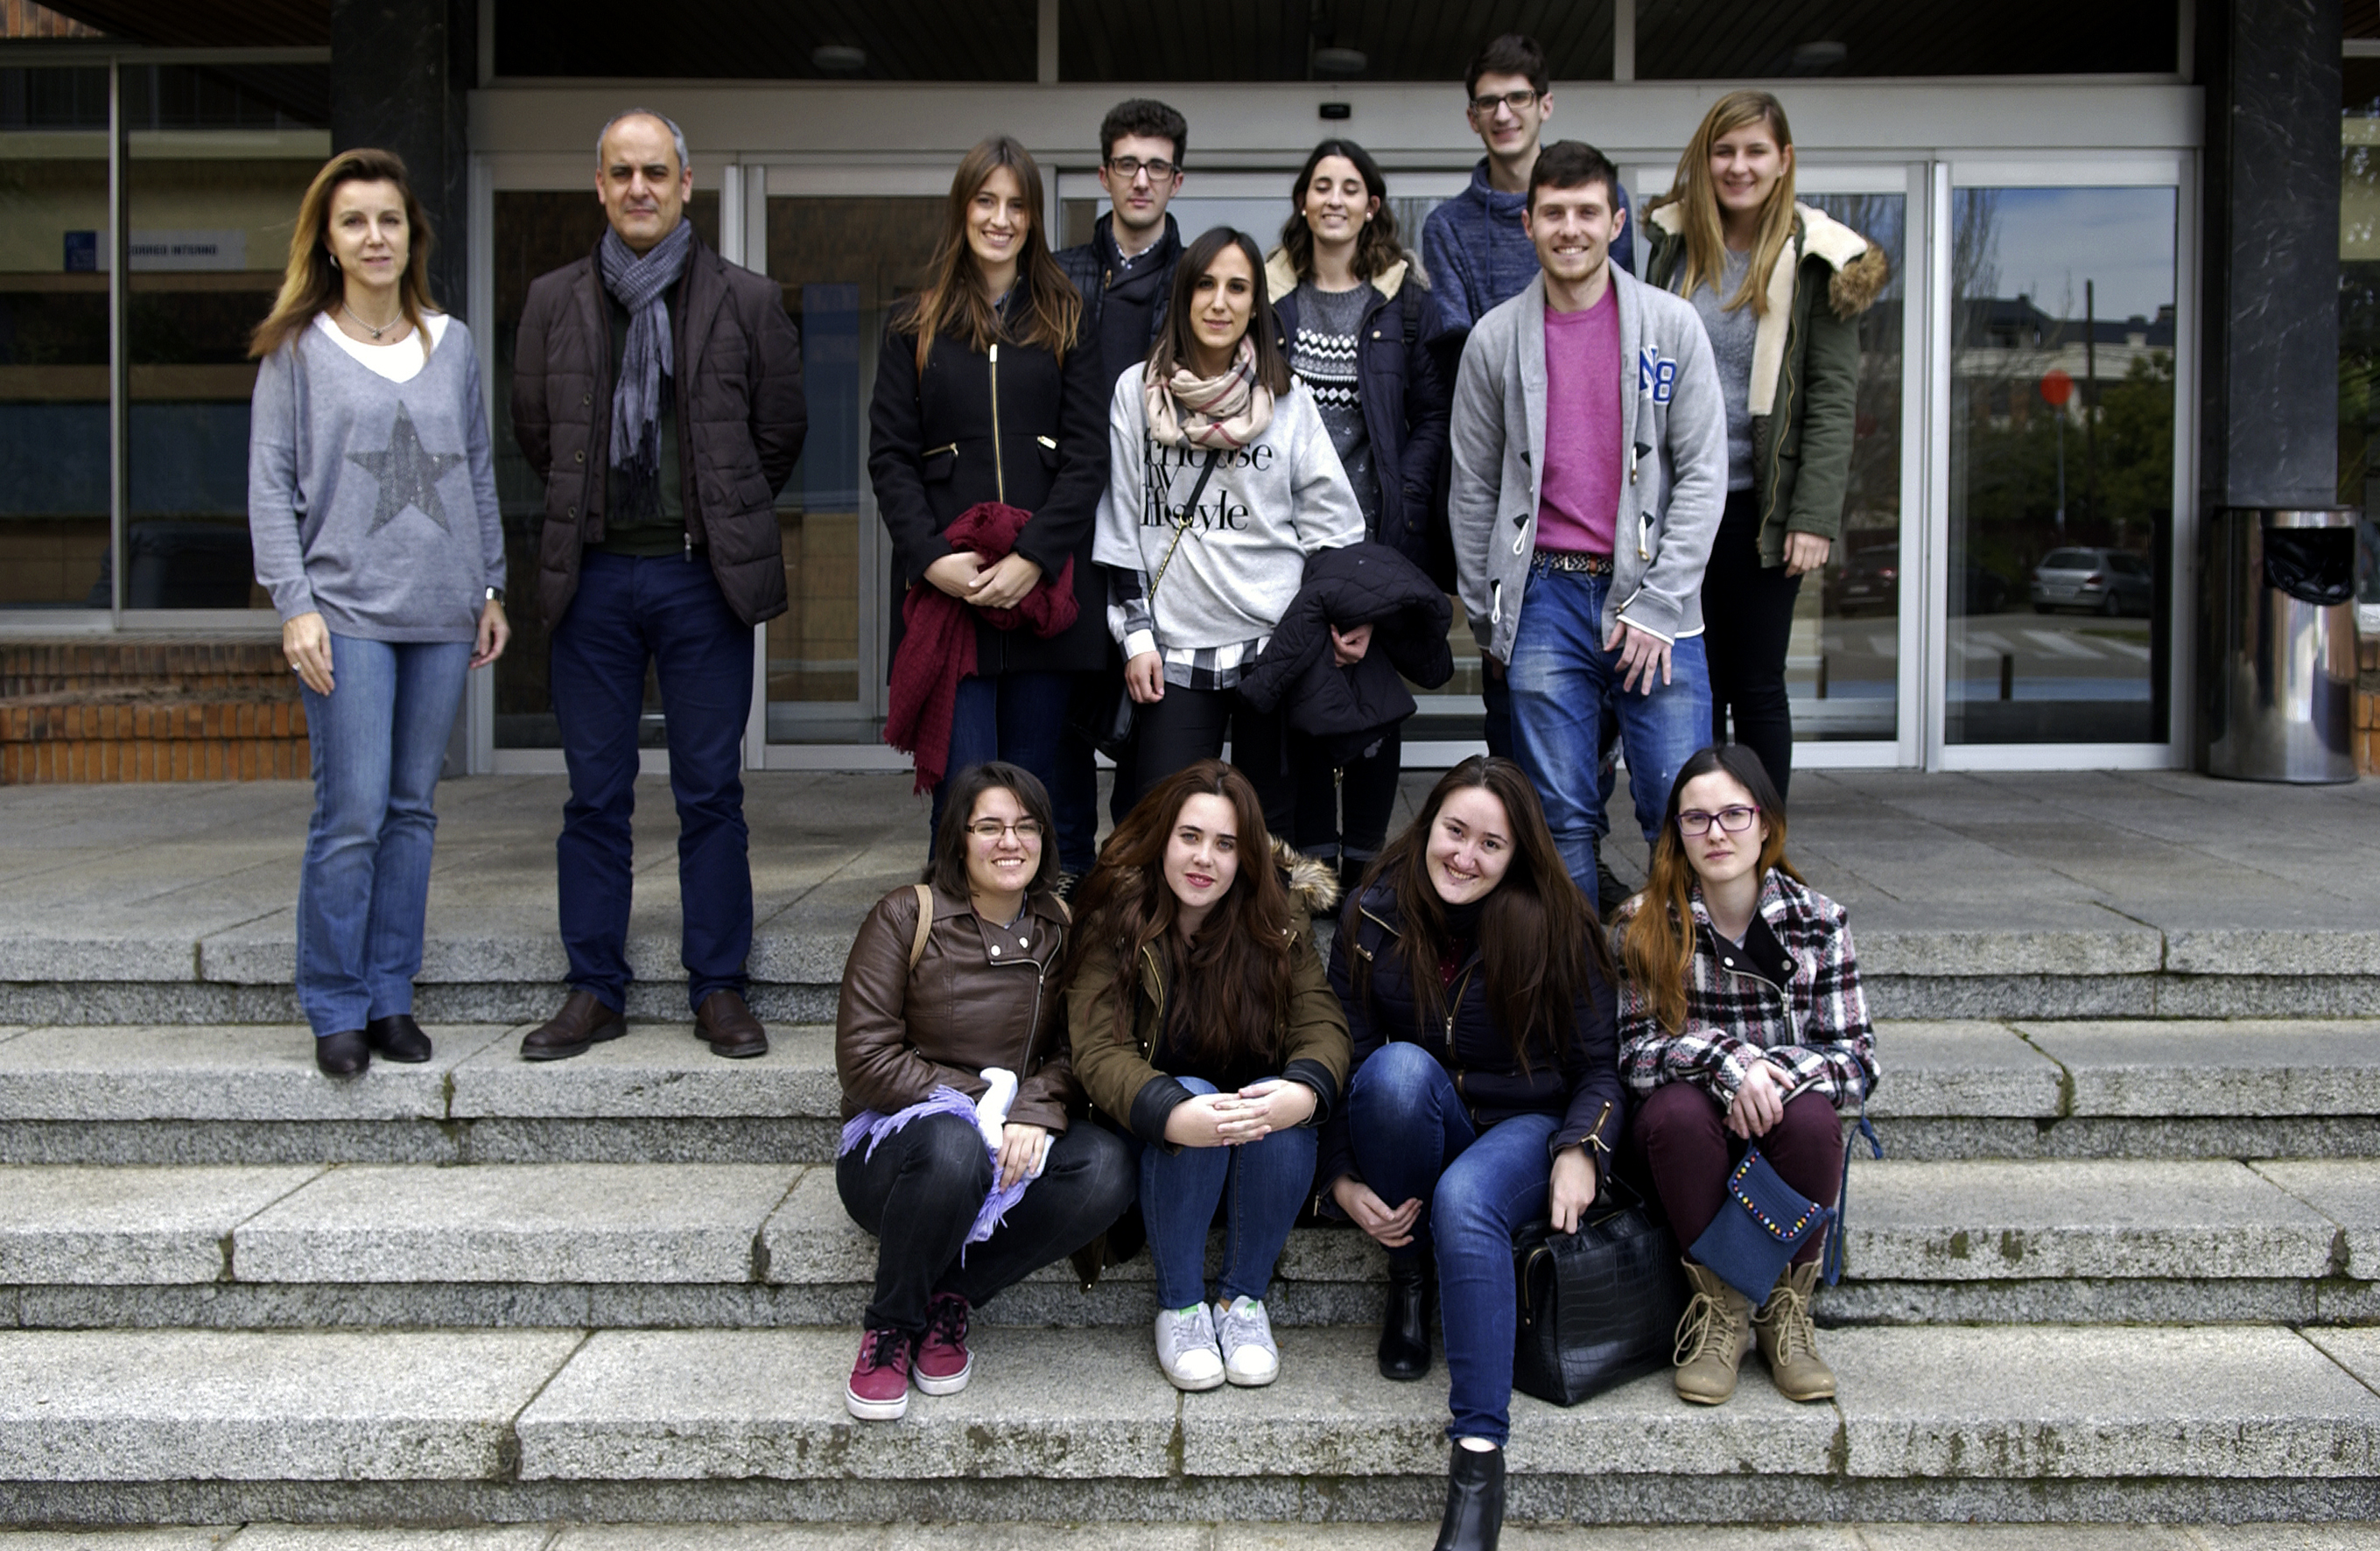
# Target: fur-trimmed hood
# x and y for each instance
(1281, 280)
(1859, 267)
(1313, 885)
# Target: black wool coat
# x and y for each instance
(1347, 708)
(940, 443)
(741, 417)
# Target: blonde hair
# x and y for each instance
(311, 282)
(1697, 201)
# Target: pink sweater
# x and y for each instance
(1580, 493)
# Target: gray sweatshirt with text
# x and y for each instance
(370, 502)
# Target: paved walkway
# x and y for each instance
(2075, 874)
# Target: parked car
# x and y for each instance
(1869, 582)
(2095, 581)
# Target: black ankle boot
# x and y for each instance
(1475, 1500)
(1404, 1325)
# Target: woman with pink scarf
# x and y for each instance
(1221, 483)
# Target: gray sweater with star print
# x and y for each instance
(370, 502)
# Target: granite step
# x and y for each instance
(1257, 1536)
(769, 1245)
(162, 1094)
(2207, 1425)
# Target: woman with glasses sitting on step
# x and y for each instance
(372, 510)
(958, 1152)
(1202, 1024)
(1479, 993)
(1740, 1022)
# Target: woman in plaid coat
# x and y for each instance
(1741, 1020)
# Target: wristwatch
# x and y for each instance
(496, 596)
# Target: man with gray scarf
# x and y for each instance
(658, 548)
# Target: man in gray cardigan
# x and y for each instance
(1590, 466)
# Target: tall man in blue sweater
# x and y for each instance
(1477, 245)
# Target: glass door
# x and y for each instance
(2059, 462)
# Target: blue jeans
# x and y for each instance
(378, 742)
(667, 611)
(1017, 717)
(1260, 1185)
(1562, 681)
(1413, 1140)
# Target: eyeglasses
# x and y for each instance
(1027, 830)
(1516, 100)
(1130, 167)
(1734, 821)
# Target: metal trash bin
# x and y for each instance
(2277, 645)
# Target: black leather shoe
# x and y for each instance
(727, 1025)
(342, 1054)
(397, 1038)
(582, 1021)
(1475, 1500)
(1404, 1326)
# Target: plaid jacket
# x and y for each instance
(1789, 995)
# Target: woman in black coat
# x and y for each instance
(1348, 304)
(983, 395)
(1486, 1094)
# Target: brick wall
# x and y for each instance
(149, 711)
(2367, 706)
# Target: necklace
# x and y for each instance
(375, 332)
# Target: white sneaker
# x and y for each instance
(1186, 1349)
(1244, 1333)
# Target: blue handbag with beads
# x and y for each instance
(1763, 1221)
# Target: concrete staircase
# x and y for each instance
(2112, 1271)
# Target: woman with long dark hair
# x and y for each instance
(1350, 304)
(1202, 1024)
(1741, 1021)
(371, 509)
(950, 1032)
(1779, 287)
(985, 395)
(1479, 994)
(1221, 481)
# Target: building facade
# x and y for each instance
(2127, 291)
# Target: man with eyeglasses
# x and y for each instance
(1477, 251)
(1124, 274)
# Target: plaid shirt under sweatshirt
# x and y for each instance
(1789, 995)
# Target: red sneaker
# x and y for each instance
(943, 1362)
(878, 1390)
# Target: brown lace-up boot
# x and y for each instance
(1712, 1337)
(1789, 1343)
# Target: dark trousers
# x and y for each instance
(1747, 620)
(1189, 725)
(1496, 728)
(1017, 717)
(666, 612)
(1344, 810)
(926, 1181)
(1074, 797)
(1679, 1143)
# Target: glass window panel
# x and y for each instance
(1152, 39)
(53, 443)
(2359, 312)
(216, 164)
(842, 261)
(535, 232)
(768, 39)
(1842, 665)
(1724, 40)
(2062, 458)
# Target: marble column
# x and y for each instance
(2269, 418)
(401, 72)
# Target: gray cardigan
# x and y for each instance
(370, 502)
(1673, 447)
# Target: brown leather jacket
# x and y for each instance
(1129, 1090)
(741, 417)
(981, 996)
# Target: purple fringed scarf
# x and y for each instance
(872, 1126)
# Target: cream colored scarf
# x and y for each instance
(1228, 412)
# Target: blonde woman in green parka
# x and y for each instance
(1779, 288)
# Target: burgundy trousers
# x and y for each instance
(1679, 1143)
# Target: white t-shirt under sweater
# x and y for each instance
(400, 362)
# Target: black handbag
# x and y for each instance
(1596, 1307)
(1113, 735)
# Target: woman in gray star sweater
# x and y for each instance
(372, 508)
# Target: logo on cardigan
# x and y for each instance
(1656, 379)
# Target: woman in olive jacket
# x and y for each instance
(983, 395)
(1779, 287)
(1201, 1022)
